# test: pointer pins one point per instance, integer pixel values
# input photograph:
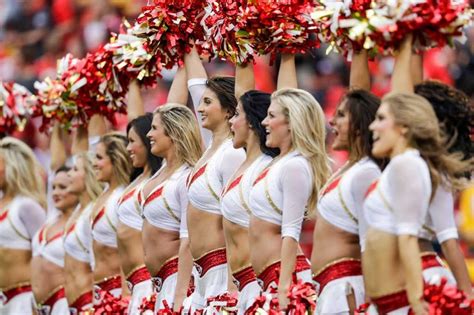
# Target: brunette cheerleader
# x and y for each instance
(217, 105)
(22, 214)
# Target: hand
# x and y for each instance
(420, 308)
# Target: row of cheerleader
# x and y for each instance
(201, 212)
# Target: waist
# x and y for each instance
(83, 302)
(243, 277)
(344, 267)
(168, 269)
(430, 260)
(272, 272)
(109, 284)
(340, 219)
(209, 260)
(9, 293)
(390, 302)
(55, 296)
(136, 276)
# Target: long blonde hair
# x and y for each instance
(306, 119)
(93, 187)
(416, 114)
(181, 126)
(22, 171)
(116, 149)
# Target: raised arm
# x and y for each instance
(287, 72)
(87, 137)
(178, 92)
(244, 79)
(194, 67)
(360, 75)
(57, 148)
(135, 106)
(417, 68)
(401, 79)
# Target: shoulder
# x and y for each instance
(25, 202)
(296, 165)
(408, 163)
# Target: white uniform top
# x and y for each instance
(165, 206)
(440, 223)
(19, 221)
(341, 200)
(206, 183)
(399, 201)
(235, 196)
(104, 221)
(51, 248)
(129, 210)
(280, 193)
(78, 237)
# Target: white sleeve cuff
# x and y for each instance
(291, 232)
(408, 229)
(447, 234)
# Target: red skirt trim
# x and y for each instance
(272, 272)
(337, 270)
(210, 260)
(244, 277)
(138, 276)
(168, 269)
(391, 302)
(8, 294)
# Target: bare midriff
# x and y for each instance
(107, 261)
(14, 267)
(46, 277)
(237, 245)
(79, 278)
(129, 245)
(331, 244)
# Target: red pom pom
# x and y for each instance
(108, 304)
(224, 303)
(447, 299)
(148, 304)
(302, 298)
(16, 106)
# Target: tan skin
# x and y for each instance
(131, 255)
(14, 263)
(46, 276)
(78, 274)
(107, 259)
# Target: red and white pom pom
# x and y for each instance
(302, 298)
(16, 106)
(447, 299)
(147, 307)
(222, 304)
(169, 26)
(109, 304)
(226, 34)
(283, 26)
(266, 303)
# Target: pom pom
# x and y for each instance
(16, 106)
(222, 304)
(302, 298)
(265, 304)
(148, 305)
(447, 299)
(167, 310)
(109, 304)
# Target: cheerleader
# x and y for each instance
(175, 137)
(47, 264)
(217, 105)
(406, 131)
(288, 187)
(79, 258)
(129, 212)
(335, 259)
(113, 166)
(22, 213)
(452, 109)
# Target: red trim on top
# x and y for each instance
(156, 194)
(234, 183)
(332, 185)
(4, 215)
(71, 228)
(197, 174)
(127, 196)
(371, 188)
(98, 216)
(261, 176)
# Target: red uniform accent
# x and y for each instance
(197, 174)
(167, 270)
(212, 259)
(137, 277)
(272, 272)
(261, 176)
(332, 185)
(11, 293)
(82, 301)
(244, 277)
(429, 261)
(391, 302)
(234, 183)
(59, 294)
(111, 283)
(156, 194)
(338, 270)
(4, 215)
(371, 188)
(127, 196)
(98, 216)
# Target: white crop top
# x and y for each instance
(49, 247)
(280, 193)
(341, 200)
(235, 196)
(166, 204)
(129, 210)
(19, 222)
(78, 236)
(440, 222)
(398, 203)
(105, 220)
(206, 183)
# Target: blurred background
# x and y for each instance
(35, 33)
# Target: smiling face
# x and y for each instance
(136, 149)
(340, 128)
(77, 177)
(212, 113)
(62, 197)
(277, 127)
(239, 127)
(102, 164)
(160, 142)
(387, 134)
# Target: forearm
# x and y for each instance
(360, 74)
(57, 147)
(288, 261)
(185, 267)
(178, 92)
(244, 79)
(287, 73)
(455, 259)
(97, 127)
(401, 79)
(417, 68)
(80, 142)
(135, 107)
(194, 67)
(411, 264)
